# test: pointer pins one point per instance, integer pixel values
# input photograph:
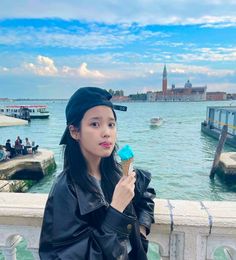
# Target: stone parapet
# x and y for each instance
(194, 229)
(188, 230)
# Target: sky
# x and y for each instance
(48, 49)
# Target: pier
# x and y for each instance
(227, 164)
(11, 121)
(183, 230)
(16, 172)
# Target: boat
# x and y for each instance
(156, 121)
(216, 118)
(26, 112)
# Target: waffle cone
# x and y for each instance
(126, 166)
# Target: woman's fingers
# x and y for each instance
(124, 192)
(129, 178)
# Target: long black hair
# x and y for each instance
(75, 165)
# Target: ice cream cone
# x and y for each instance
(127, 166)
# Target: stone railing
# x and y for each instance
(194, 230)
(188, 230)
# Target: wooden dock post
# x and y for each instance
(219, 148)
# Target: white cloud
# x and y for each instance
(142, 11)
(93, 37)
(154, 70)
(212, 21)
(45, 67)
(4, 69)
(204, 70)
(82, 71)
(209, 54)
(219, 25)
(218, 86)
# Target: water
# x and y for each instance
(177, 154)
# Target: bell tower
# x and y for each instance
(164, 81)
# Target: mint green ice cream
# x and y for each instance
(126, 153)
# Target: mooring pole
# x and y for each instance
(219, 148)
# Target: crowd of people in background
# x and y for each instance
(19, 148)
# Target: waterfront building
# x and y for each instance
(120, 99)
(231, 96)
(151, 96)
(187, 93)
(5, 99)
(216, 96)
(184, 94)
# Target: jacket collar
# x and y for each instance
(89, 201)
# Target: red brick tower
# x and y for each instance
(164, 82)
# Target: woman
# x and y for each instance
(18, 146)
(92, 211)
(3, 154)
(10, 149)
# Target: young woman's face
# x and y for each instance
(97, 134)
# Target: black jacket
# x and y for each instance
(82, 225)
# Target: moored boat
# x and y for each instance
(216, 118)
(26, 112)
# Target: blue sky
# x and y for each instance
(50, 48)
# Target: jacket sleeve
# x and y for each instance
(143, 201)
(66, 234)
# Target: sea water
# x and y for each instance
(177, 154)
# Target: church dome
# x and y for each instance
(188, 84)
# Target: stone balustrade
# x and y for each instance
(189, 230)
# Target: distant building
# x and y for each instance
(151, 96)
(120, 99)
(5, 99)
(231, 96)
(188, 93)
(185, 94)
(138, 97)
(216, 95)
(188, 84)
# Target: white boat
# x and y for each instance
(156, 121)
(25, 111)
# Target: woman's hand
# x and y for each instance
(124, 192)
